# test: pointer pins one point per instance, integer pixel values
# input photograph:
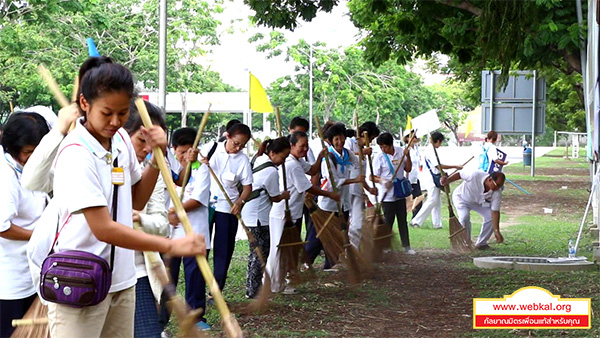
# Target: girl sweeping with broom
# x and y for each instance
(265, 192)
(298, 186)
(96, 174)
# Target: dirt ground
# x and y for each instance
(426, 295)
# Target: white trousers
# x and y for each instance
(463, 212)
(356, 219)
(273, 266)
(433, 205)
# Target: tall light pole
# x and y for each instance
(310, 95)
(162, 55)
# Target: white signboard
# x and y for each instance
(426, 123)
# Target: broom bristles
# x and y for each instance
(459, 237)
(36, 311)
(331, 236)
(290, 253)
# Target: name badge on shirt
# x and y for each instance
(118, 176)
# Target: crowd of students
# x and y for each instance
(84, 189)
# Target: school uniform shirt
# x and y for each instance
(356, 189)
(297, 185)
(153, 220)
(198, 189)
(471, 190)
(259, 208)
(413, 176)
(22, 208)
(231, 169)
(382, 169)
(341, 173)
(83, 179)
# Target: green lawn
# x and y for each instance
(534, 234)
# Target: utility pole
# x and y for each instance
(310, 89)
(162, 55)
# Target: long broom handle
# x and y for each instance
(398, 166)
(370, 162)
(331, 179)
(446, 187)
(177, 306)
(248, 233)
(188, 167)
(278, 119)
(58, 95)
(464, 164)
(231, 327)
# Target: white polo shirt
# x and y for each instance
(82, 179)
(198, 188)
(22, 208)
(297, 185)
(471, 190)
(413, 176)
(230, 169)
(340, 177)
(381, 168)
(259, 208)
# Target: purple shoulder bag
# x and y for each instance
(78, 278)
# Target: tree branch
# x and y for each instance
(464, 5)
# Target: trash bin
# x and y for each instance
(527, 157)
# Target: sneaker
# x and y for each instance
(331, 270)
(482, 247)
(414, 225)
(289, 291)
(305, 267)
(409, 251)
(437, 227)
(166, 334)
(202, 326)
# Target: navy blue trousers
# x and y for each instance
(224, 228)
(146, 323)
(13, 309)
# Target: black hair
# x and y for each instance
(231, 123)
(99, 75)
(492, 136)
(23, 129)
(239, 128)
(326, 127)
(335, 130)
(299, 121)
(183, 137)
(296, 136)
(371, 129)
(134, 122)
(436, 136)
(350, 133)
(277, 146)
(498, 175)
(385, 139)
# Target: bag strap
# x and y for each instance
(390, 165)
(212, 150)
(256, 193)
(115, 203)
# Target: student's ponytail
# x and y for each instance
(263, 147)
(99, 75)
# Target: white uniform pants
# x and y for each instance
(356, 219)
(273, 266)
(433, 205)
(463, 212)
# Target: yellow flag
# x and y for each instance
(259, 102)
(408, 123)
(469, 128)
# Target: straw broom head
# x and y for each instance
(329, 229)
(34, 323)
